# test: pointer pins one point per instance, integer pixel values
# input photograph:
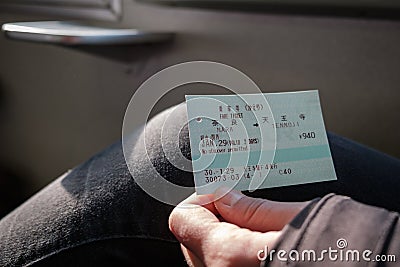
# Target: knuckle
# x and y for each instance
(225, 247)
(175, 221)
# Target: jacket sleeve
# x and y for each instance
(338, 231)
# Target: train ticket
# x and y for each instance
(253, 141)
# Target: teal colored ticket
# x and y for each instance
(253, 141)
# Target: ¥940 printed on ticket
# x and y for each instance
(253, 141)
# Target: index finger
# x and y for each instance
(206, 201)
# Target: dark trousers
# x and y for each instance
(97, 215)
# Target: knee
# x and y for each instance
(167, 146)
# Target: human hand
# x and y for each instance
(228, 229)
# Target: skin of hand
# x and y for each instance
(228, 228)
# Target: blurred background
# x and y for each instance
(59, 104)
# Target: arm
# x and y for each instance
(341, 232)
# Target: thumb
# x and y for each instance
(254, 213)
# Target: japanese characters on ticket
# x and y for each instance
(253, 141)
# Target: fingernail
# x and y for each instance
(228, 196)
